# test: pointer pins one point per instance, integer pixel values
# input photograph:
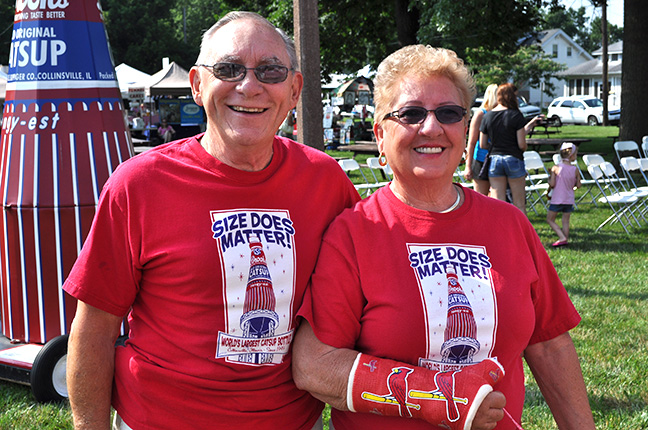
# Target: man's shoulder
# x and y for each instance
(149, 161)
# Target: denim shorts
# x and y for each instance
(561, 208)
(506, 165)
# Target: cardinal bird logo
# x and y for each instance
(397, 386)
(445, 382)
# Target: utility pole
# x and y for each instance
(310, 130)
(604, 48)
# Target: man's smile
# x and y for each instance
(247, 110)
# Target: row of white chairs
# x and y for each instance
(627, 199)
(624, 195)
(350, 165)
(538, 178)
(382, 175)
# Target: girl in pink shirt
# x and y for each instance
(564, 179)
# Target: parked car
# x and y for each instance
(529, 111)
(580, 110)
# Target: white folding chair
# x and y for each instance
(643, 163)
(621, 205)
(388, 171)
(626, 146)
(632, 164)
(644, 146)
(533, 161)
(597, 160)
(374, 166)
(621, 188)
(593, 159)
(537, 183)
(349, 165)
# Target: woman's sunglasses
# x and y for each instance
(416, 114)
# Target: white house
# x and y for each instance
(587, 78)
(564, 50)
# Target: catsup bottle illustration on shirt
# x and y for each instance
(259, 318)
(460, 336)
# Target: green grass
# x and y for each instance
(606, 275)
(19, 411)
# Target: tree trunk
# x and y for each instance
(407, 23)
(634, 71)
(309, 109)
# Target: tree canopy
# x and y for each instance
(488, 34)
(575, 23)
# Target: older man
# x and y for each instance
(209, 243)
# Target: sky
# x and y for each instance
(614, 9)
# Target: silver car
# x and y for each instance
(529, 111)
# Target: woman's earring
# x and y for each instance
(382, 160)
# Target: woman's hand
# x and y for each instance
(490, 412)
(468, 171)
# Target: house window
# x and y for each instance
(615, 57)
(579, 87)
(586, 87)
(571, 87)
(569, 51)
(554, 51)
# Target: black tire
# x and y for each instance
(556, 121)
(591, 120)
(48, 374)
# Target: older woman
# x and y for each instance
(422, 286)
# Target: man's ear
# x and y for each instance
(296, 89)
(195, 81)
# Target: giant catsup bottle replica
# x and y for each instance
(63, 134)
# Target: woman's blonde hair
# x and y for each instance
(490, 97)
(420, 60)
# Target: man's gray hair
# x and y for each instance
(203, 57)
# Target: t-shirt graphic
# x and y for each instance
(459, 304)
(256, 250)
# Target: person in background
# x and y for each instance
(565, 178)
(287, 128)
(207, 244)
(416, 306)
(475, 155)
(504, 128)
(165, 131)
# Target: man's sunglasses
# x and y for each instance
(417, 114)
(232, 72)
